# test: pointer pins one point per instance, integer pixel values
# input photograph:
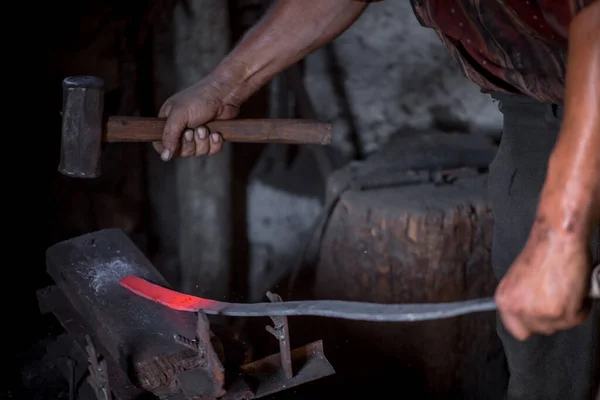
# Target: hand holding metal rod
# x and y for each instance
(321, 308)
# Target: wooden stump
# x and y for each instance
(415, 243)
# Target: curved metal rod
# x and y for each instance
(321, 308)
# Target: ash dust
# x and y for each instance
(108, 274)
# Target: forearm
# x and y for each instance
(289, 31)
(570, 200)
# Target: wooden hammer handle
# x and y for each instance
(291, 131)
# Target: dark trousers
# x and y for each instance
(563, 366)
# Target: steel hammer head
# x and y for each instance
(82, 121)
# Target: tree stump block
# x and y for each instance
(417, 242)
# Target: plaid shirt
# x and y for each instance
(513, 46)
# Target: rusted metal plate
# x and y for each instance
(308, 364)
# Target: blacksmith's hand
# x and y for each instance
(187, 112)
(545, 289)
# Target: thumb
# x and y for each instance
(176, 123)
(158, 147)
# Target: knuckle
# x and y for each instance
(519, 331)
(201, 150)
(521, 336)
(190, 147)
(579, 319)
(546, 329)
(503, 302)
(201, 145)
(157, 146)
(174, 128)
(166, 108)
(215, 148)
(187, 153)
(210, 100)
(555, 311)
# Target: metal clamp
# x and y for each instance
(281, 332)
(98, 378)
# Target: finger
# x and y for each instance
(582, 315)
(158, 147)
(188, 145)
(174, 128)
(216, 143)
(228, 111)
(515, 326)
(188, 135)
(165, 110)
(574, 320)
(202, 141)
(539, 326)
(586, 307)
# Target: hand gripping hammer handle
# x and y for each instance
(85, 128)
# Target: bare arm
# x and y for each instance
(288, 32)
(545, 288)
(570, 201)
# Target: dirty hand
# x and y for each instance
(545, 289)
(187, 111)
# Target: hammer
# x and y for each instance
(85, 129)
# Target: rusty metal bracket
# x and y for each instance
(281, 371)
(310, 361)
(280, 330)
(211, 363)
(98, 378)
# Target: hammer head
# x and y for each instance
(82, 121)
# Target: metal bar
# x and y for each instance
(320, 308)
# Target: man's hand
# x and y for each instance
(545, 289)
(287, 32)
(187, 111)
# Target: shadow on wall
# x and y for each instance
(396, 74)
